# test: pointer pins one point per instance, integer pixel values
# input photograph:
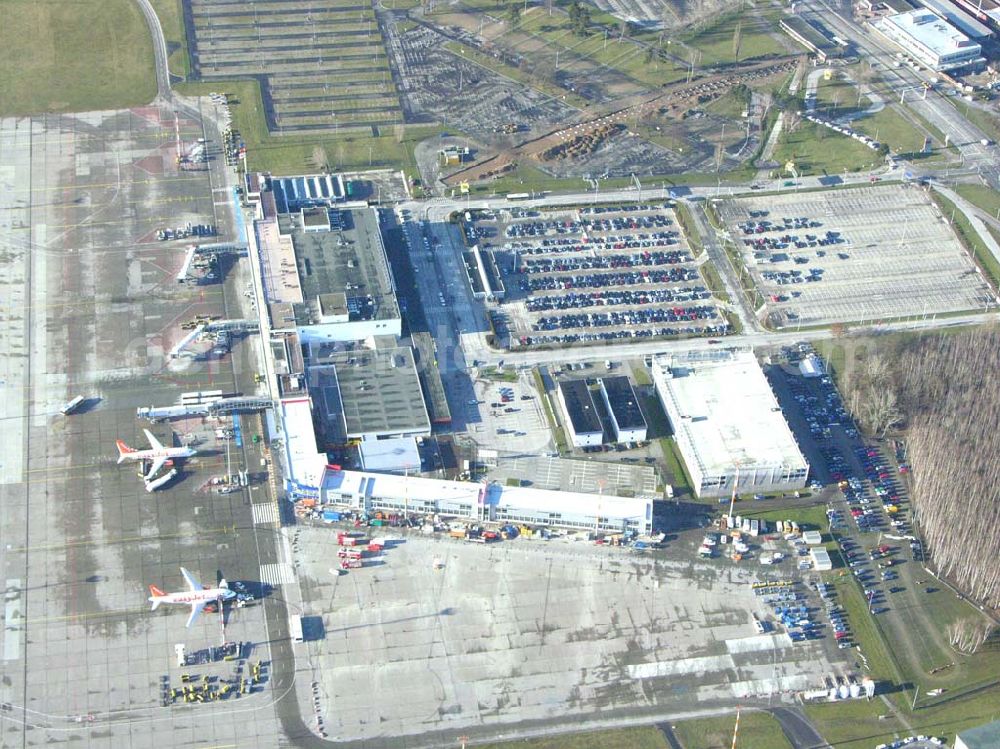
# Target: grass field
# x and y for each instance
(970, 238)
(757, 731)
(985, 198)
(623, 738)
(74, 57)
(716, 42)
(293, 155)
(818, 150)
(172, 20)
(675, 467)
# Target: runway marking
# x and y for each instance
(276, 574)
(86, 615)
(264, 513)
(231, 529)
(12, 623)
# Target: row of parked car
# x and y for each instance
(615, 298)
(675, 274)
(596, 262)
(626, 317)
(618, 335)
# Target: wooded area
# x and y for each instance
(944, 392)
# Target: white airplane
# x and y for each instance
(153, 485)
(196, 596)
(158, 453)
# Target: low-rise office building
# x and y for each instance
(582, 420)
(727, 423)
(619, 398)
(930, 40)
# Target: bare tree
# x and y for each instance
(945, 391)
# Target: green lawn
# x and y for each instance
(714, 281)
(816, 149)
(970, 237)
(757, 731)
(74, 56)
(985, 198)
(716, 42)
(853, 724)
(622, 738)
(675, 467)
(686, 222)
(172, 21)
(294, 154)
(902, 136)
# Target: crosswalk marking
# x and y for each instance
(277, 574)
(264, 513)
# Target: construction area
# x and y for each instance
(322, 67)
(873, 253)
(595, 274)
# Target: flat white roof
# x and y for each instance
(931, 31)
(399, 454)
(305, 462)
(419, 489)
(728, 413)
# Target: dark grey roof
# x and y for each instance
(623, 403)
(580, 406)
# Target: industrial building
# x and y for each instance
(582, 420)
(930, 40)
(820, 559)
(367, 393)
(984, 10)
(727, 423)
(959, 19)
(816, 41)
(627, 421)
(372, 492)
(986, 736)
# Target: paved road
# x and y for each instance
(797, 729)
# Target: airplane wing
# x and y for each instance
(190, 579)
(196, 609)
(157, 464)
(153, 442)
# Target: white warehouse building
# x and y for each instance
(373, 492)
(930, 40)
(727, 424)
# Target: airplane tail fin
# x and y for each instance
(223, 584)
(157, 594)
(123, 450)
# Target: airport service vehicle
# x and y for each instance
(153, 485)
(158, 454)
(195, 596)
(72, 405)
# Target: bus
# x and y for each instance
(72, 406)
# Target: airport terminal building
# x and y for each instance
(376, 492)
(727, 424)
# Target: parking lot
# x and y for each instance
(594, 274)
(867, 254)
(502, 637)
(511, 417)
